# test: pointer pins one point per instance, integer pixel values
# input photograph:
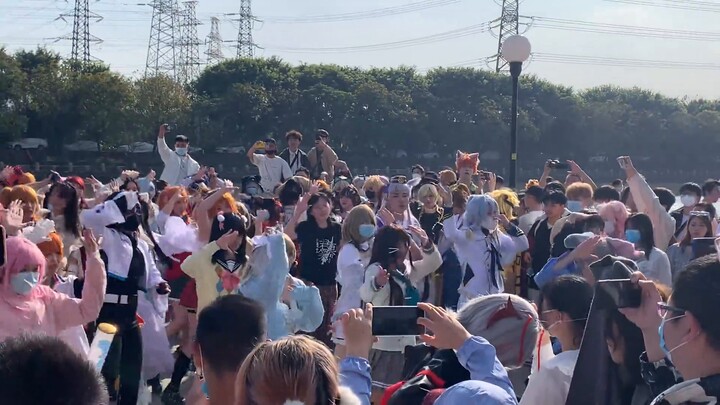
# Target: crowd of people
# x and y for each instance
(264, 292)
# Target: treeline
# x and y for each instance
(376, 117)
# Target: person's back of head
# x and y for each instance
(227, 331)
(606, 194)
(37, 369)
(666, 197)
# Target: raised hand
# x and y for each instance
(13, 218)
(357, 325)
(445, 331)
(382, 278)
(420, 233)
(89, 241)
(226, 240)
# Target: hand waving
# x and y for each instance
(89, 241)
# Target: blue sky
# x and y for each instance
(126, 25)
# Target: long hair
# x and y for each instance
(70, 194)
(384, 254)
(643, 224)
(293, 368)
(687, 240)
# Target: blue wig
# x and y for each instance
(478, 208)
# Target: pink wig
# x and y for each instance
(21, 253)
(617, 212)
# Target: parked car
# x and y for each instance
(83, 146)
(136, 147)
(230, 149)
(28, 143)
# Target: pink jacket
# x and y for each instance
(45, 310)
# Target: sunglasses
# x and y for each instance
(664, 309)
(700, 214)
(398, 179)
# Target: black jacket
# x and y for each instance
(304, 161)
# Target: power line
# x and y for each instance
(509, 26)
(653, 3)
(443, 36)
(362, 15)
(617, 29)
(622, 62)
(80, 37)
(188, 66)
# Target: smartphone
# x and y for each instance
(622, 161)
(484, 176)
(3, 251)
(623, 293)
(702, 247)
(396, 321)
(556, 164)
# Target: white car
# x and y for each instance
(83, 146)
(136, 147)
(28, 143)
(230, 149)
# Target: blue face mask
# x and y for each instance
(632, 235)
(23, 283)
(181, 151)
(663, 344)
(367, 231)
(251, 190)
(574, 206)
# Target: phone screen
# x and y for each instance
(702, 247)
(396, 321)
(623, 293)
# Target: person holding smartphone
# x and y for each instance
(322, 157)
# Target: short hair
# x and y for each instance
(228, 330)
(536, 192)
(555, 197)
(690, 188)
(666, 197)
(321, 133)
(514, 337)
(448, 176)
(182, 138)
(617, 182)
(571, 295)
(294, 134)
(709, 186)
(270, 140)
(417, 167)
(427, 190)
(555, 186)
(697, 290)
(606, 193)
(39, 369)
(577, 191)
(499, 180)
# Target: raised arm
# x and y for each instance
(202, 216)
(71, 312)
(165, 152)
(578, 171)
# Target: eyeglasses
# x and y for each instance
(664, 309)
(700, 214)
(398, 179)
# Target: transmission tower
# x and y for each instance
(245, 44)
(189, 45)
(80, 36)
(161, 55)
(509, 26)
(214, 42)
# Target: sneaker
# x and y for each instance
(172, 397)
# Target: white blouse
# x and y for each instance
(551, 384)
(351, 265)
(473, 249)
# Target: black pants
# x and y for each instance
(124, 358)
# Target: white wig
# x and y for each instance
(508, 322)
(478, 207)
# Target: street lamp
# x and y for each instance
(515, 50)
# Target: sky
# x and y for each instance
(674, 51)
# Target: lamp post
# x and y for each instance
(515, 50)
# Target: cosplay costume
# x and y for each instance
(269, 268)
(466, 165)
(482, 249)
(131, 268)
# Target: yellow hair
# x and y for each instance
(374, 183)
(506, 200)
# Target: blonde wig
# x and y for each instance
(507, 200)
(360, 215)
(295, 368)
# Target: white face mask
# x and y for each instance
(416, 175)
(688, 200)
(609, 227)
(489, 223)
(181, 151)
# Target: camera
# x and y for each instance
(556, 164)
